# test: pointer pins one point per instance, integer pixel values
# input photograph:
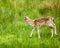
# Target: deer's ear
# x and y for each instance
(24, 18)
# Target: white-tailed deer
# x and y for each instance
(49, 21)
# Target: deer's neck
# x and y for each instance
(30, 22)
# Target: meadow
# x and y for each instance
(14, 31)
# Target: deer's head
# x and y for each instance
(26, 18)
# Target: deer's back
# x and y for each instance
(41, 21)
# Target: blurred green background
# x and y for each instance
(14, 31)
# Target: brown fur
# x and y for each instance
(42, 21)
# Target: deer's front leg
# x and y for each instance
(32, 32)
(38, 32)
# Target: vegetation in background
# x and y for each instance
(14, 31)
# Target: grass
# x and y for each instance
(14, 31)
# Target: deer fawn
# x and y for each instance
(49, 21)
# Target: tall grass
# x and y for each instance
(14, 31)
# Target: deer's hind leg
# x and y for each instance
(53, 29)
